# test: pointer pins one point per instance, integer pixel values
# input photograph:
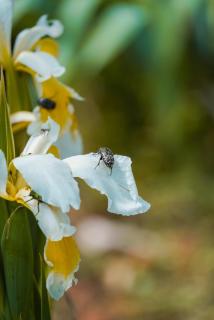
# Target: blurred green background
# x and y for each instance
(146, 70)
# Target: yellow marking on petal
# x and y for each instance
(54, 150)
(54, 90)
(63, 255)
(60, 94)
(15, 178)
(7, 197)
(22, 68)
(48, 45)
(19, 126)
(11, 190)
(74, 126)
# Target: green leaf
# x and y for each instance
(4, 216)
(114, 31)
(23, 7)
(45, 310)
(76, 15)
(2, 293)
(18, 261)
(6, 135)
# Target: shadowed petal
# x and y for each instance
(53, 222)
(69, 144)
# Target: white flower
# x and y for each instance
(43, 183)
(28, 37)
(44, 64)
(5, 28)
(35, 52)
(46, 186)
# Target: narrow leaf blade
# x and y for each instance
(6, 135)
(17, 256)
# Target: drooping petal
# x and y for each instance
(51, 179)
(43, 64)
(6, 8)
(52, 221)
(119, 186)
(21, 119)
(69, 144)
(22, 116)
(63, 257)
(3, 173)
(39, 143)
(27, 38)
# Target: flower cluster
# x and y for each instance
(42, 177)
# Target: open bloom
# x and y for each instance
(25, 52)
(47, 187)
(42, 183)
(36, 53)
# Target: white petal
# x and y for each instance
(35, 127)
(69, 144)
(22, 116)
(3, 173)
(40, 142)
(6, 10)
(57, 285)
(28, 37)
(119, 186)
(51, 179)
(53, 222)
(43, 64)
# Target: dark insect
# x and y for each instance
(45, 130)
(35, 196)
(107, 156)
(46, 103)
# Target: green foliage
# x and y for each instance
(116, 27)
(6, 135)
(17, 255)
(45, 312)
(3, 219)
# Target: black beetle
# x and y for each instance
(46, 103)
(107, 156)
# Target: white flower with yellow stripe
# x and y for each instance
(44, 184)
(35, 52)
(47, 187)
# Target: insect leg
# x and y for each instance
(111, 171)
(98, 162)
(38, 203)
